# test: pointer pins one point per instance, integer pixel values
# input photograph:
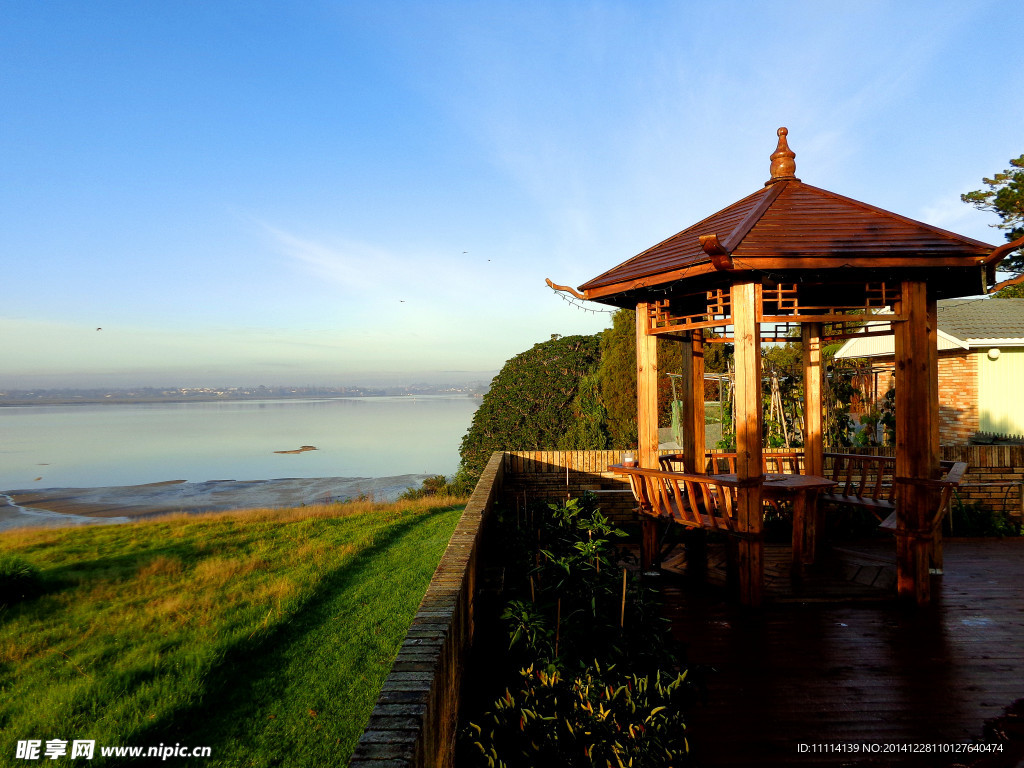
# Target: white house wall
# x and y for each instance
(1001, 392)
(884, 346)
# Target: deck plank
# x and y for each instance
(865, 672)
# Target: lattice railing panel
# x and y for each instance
(706, 310)
(785, 305)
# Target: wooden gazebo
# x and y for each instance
(792, 254)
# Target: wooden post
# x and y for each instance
(647, 425)
(814, 438)
(694, 446)
(646, 391)
(648, 544)
(917, 435)
(746, 306)
(934, 442)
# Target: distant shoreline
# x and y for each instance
(22, 403)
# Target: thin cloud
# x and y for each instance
(426, 276)
(354, 266)
(949, 212)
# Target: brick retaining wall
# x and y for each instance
(414, 722)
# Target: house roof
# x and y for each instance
(982, 320)
(792, 225)
(962, 324)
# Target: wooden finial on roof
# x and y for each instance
(783, 161)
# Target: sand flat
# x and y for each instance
(76, 506)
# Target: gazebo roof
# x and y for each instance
(789, 225)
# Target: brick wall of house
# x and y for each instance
(958, 394)
(958, 397)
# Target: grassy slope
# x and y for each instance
(265, 635)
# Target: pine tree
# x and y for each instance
(1005, 198)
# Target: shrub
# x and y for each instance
(533, 404)
(431, 486)
(975, 519)
(19, 579)
(439, 485)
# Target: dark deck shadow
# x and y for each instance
(861, 672)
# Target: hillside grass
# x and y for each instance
(264, 634)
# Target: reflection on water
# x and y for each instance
(97, 445)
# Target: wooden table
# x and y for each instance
(803, 491)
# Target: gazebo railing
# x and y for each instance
(781, 462)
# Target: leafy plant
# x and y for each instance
(597, 717)
(883, 414)
(838, 390)
(592, 675)
(529, 629)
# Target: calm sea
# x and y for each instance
(100, 445)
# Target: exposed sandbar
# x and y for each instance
(117, 503)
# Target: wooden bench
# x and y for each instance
(778, 462)
(869, 482)
(862, 481)
(702, 502)
(865, 482)
(946, 486)
(691, 500)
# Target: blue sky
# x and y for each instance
(349, 192)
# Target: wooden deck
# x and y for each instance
(862, 672)
(862, 572)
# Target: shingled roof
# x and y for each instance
(792, 225)
(962, 324)
(982, 320)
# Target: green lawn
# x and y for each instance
(264, 635)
